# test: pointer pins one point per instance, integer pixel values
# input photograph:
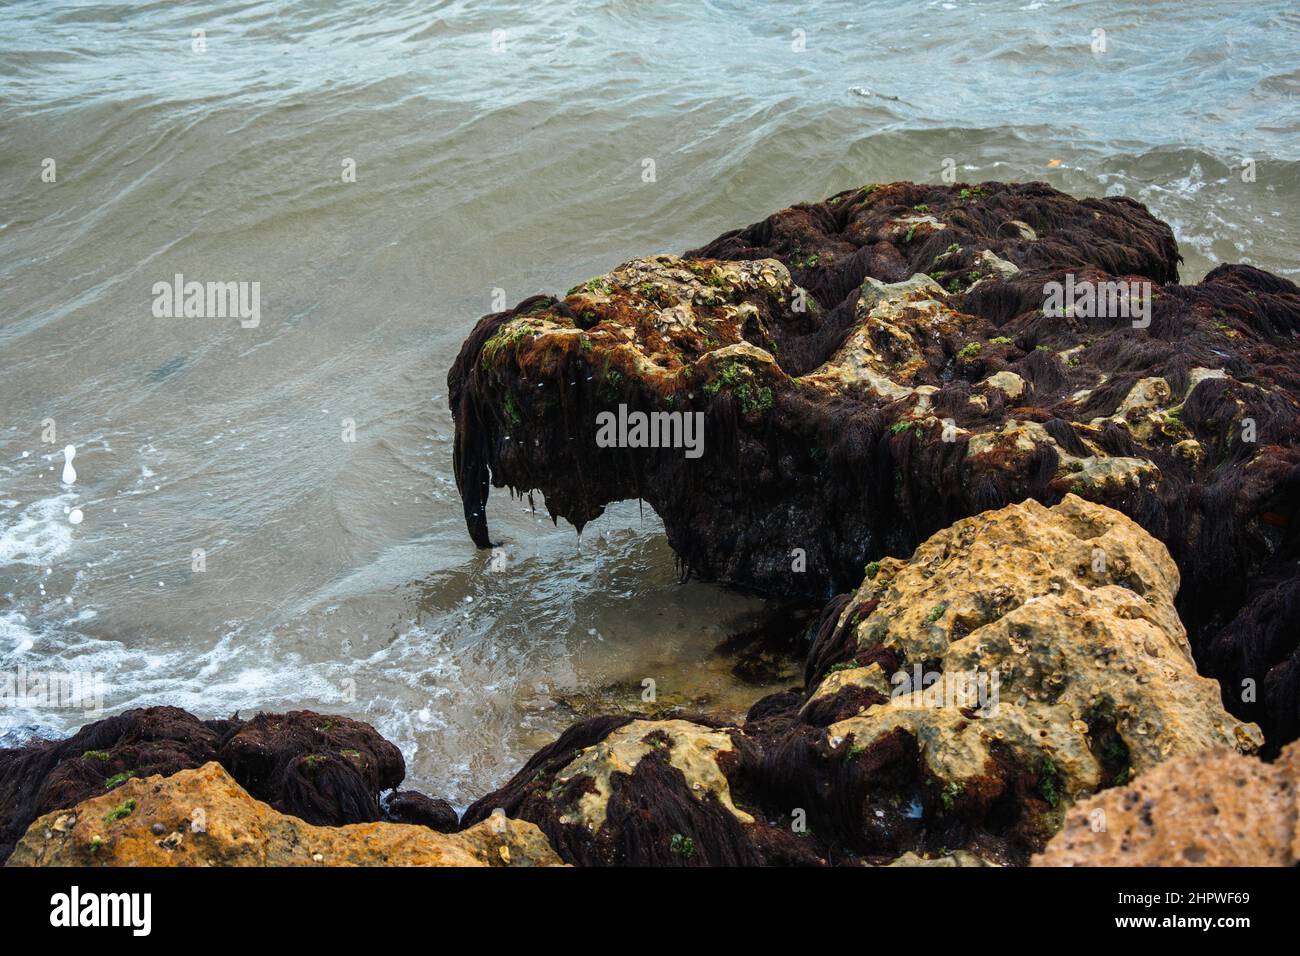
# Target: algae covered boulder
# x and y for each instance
(961, 700)
(863, 371)
(327, 769)
(1028, 650)
(203, 817)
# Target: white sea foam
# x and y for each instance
(39, 534)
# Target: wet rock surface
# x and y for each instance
(203, 817)
(873, 367)
(1215, 808)
(409, 806)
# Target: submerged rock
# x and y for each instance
(328, 770)
(873, 367)
(1020, 661)
(204, 818)
(1215, 808)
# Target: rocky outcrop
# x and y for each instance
(875, 366)
(1216, 808)
(204, 818)
(1054, 627)
(328, 770)
(1020, 661)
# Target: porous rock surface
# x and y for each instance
(203, 817)
(1072, 608)
(1215, 808)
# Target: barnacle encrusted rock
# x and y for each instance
(962, 700)
(1067, 614)
(875, 366)
(1215, 808)
(204, 818)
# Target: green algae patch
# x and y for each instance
(121, 811)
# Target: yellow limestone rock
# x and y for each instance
(1215, 808)
(204, 818)
(1068, 614)
(957, 858)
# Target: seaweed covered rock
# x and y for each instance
(1215, 808)
(327, 770)
(873, 367)
(408, 806)
(649, 792)
(816, 341)
(962, 700)
(203, 817)
(1031, 649)
(51, 775)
